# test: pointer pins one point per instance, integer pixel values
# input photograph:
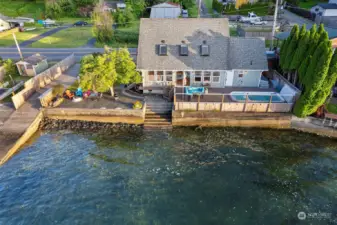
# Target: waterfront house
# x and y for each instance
(197, 52)
(32, 65)
(166, 10)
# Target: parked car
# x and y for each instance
(80, 23)
(251, 17)
(258, 22)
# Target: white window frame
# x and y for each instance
(216, 82)
(168, 75)
(201, 76)
(163, 74)
(154, 75)
(210, 76)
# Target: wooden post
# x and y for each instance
(244, 108)
(222, 100)
(198, 102)
(270, 99)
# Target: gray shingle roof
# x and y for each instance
(328, 5)
(247, 53)
(215, 31)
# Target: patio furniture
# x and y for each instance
(79, 92)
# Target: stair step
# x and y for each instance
(166, 112)
(150, 127)
(165, 116)
(157, 123)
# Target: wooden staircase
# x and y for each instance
(158, 115)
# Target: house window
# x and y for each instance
(151, 75)
(197, 76)
(160, 75)
(168, 75)
(216, 77)
(207, 76)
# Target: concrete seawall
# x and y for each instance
(234, 119)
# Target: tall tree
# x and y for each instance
(103, 21)
(126, 68)
(316, 74)
(291, 48)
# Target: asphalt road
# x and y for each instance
(53, 53)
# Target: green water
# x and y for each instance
(188, 176)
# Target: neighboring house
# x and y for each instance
(112, 6)
(197, 52)
(4, 25)
(166, 10)
(325, 9)
(32, 65)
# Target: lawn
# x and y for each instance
(124, 37)
(8, 41)
(260, 9)
(69, 38)
(233, 32)
(332, 108)
(208, 4)
(14, 8)
(310, 3)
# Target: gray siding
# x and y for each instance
(249, 79)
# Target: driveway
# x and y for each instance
(293, 18)
(43, 35)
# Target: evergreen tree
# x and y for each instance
(320, 29)
(313, 31)
(303, 69)
(303, 31)
(300, 53)
(291, 48)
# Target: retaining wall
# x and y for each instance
(41, 80)
(223, 119)
(129, 116)
(30, 131)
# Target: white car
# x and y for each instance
(258, 22)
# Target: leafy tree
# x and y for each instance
(126, 68)
(102, 27)
(119, 18)
(100, 72)
(11, 71)
(53, 8)
(137, 6)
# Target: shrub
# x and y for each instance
(137, 105)
(58, 90)
(218, 6)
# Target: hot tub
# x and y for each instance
(194, 90)
(256, 96)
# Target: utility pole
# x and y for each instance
(199, 8)
(17, 45)
(274, 25)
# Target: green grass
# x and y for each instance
(310, 3)
(260, 9)
(69, 38)
(20, 36)
(124, 37)
(268, 43)
(208, 4)
(233, 32)
(332, 108)
(14, 8)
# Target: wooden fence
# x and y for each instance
(41, 80)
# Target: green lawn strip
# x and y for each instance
(260, 9)
(309, 4)
(332, 108)
(21, 36)
(24, 8)
(124, 37)
(68, 38)
(233, 32)
(208, 4)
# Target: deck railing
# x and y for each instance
(234, 102)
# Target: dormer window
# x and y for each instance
(204, 49)
(183, 50)
(162, 48)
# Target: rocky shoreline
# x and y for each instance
(79, 125)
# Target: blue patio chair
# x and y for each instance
(79, 92)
